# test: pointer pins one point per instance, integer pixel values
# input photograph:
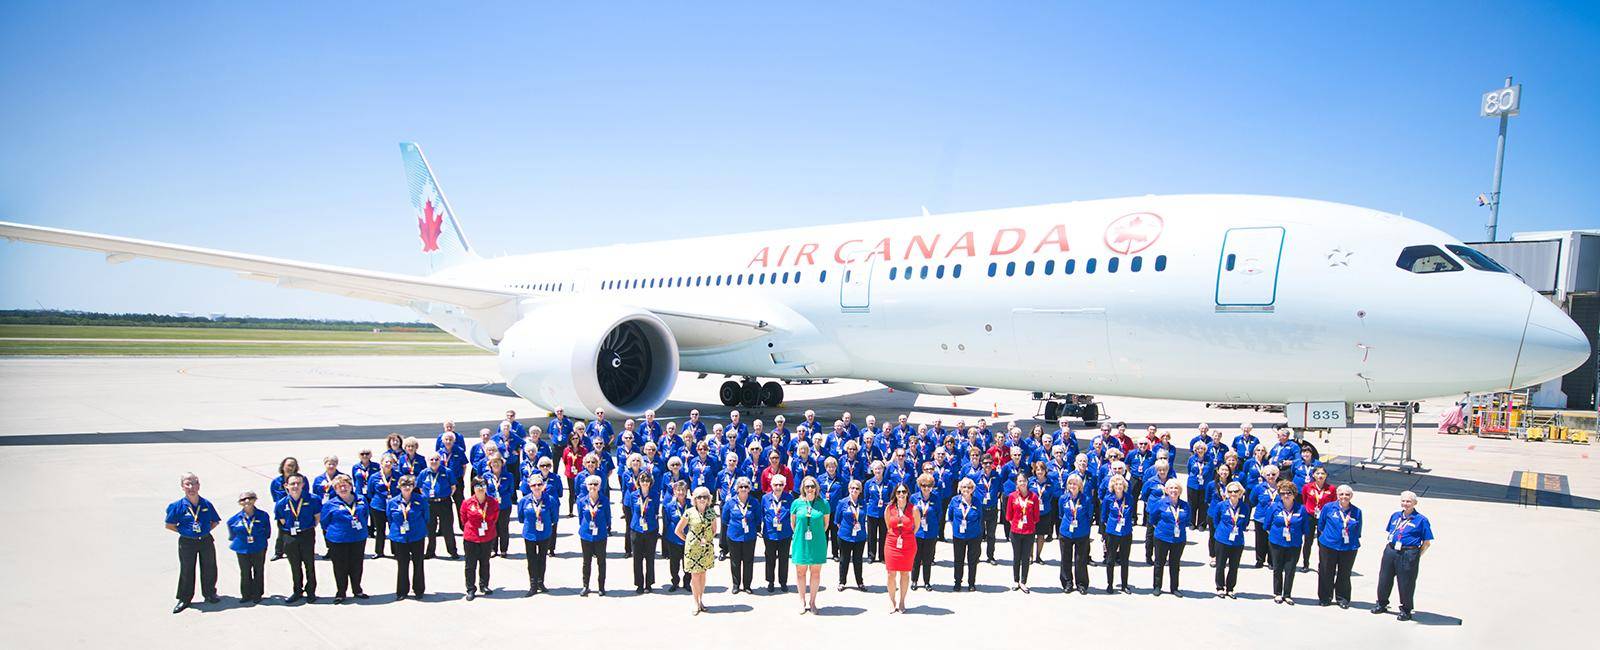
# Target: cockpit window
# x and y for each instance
(1476, 259)
(1426, 259)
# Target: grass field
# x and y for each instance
(81, 340)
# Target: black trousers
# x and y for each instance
(348, 558)
(252, 582)
(627, 537)
(302, 553)
(477, 565)
(537, 553)
(408, 568)
(776, 554)
(572, 493)
(379, 530)
(1117, 556)
(460, 494)
(1333, 573)
(1201, 517)
(1228, 565)
(644, 558)
(1310, 538)
(277, 545)
(1169, 556)
(922, 563)
(742, 565)
(1021, 556)
(1074, 562)
(875, 536)
(202, 553)
(1402, 565)
(991, 518)
(674, 553)
(502, 532)
(594, 552)
(967, 559)
(1149, 543)
(1283, 563)
(441, 523)
(1262, 544)
(850, 556)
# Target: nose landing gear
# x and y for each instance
(750, 393)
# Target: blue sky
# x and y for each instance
(272, 130)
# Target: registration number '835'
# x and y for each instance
(1317, 415)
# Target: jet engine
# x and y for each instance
(614, 357)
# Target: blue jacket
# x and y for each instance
(1285, 526)
(436, 485)
(193, 520)
(1170, 520)
(249, 534)
(344, 522)
(1409, 531)
(644, 512)
(1116, 515)
(851, 517)
(538, 516)
(775, 524)
(1076, 515)
(877, 492)
(671, 512)
(1228, 522)
(741, 523)
(594, 519)
(308, 506)
(931, 515)
(1339, 529)
(408, 521)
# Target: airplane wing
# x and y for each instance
(392, 288)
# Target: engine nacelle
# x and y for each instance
(581, 358)
(930, 389)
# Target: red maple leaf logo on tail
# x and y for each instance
(430, 224)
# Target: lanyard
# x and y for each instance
(1399, 528)
(249, 529)
(1122, 512)
(294, 510)
(194, 514)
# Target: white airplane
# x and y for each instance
(1224, 298)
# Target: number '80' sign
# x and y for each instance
(1501, 101)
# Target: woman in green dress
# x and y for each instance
(809, 547)
(698, 530)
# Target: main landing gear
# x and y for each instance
(750, 393)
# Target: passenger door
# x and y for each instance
(1247, 271)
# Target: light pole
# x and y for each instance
(1502, 103)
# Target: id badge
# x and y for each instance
(1234, 534)
(1397, 545)
(962, 528)
(294, 531)
(196, 526)
(483, 529)
(594, 530)
(808, 536)
(856, 530)
(1071, 527)
(899, 542)
(249, 539)
(778, 526)
(538, 525)
(404, 528)
(1024, 521)
(355, 522)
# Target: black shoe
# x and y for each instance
(1404, 615)
(585, 592)
(311, 599)
(861, 587)
(399, 597)
(257, 600)
(1380, 609)
(213, 600)
(1177, 594)
(487, 591)
(363, 595)
(429, 556)
(649, 590)
(182, 605)
(602, 593)
(454, 556)
(1288, 601)
(531, 592)
(277, 557)
(1156, 593)
(471, 596)
(292, 599)
(1324, 603)
(638, 590)
(1085, 589)
(1126, 589)
(1343, 604)
(339, 600)
(771, 589)
(673, 589)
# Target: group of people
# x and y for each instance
(810, 493)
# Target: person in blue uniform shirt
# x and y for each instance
(322, 485)
(411, 462)
(1339, 537)
(436, 486)
(644, 526)
(380, 486)
(1286, 522)
(877, 489)
(741, 517)
(1260, 499)
(560, 426)
(1169, 517)
(990, 491)
(192, 517)
(363, 469)
(594, 526)
(510, 443)
(502, 486)
(538, 511)
(831, 487)
(1118, 511)
(288, 468)
(1409, 536)
(1284, 452)
(1216, 491)
(408, 524)
(776, 533)
(930, 526)
(1246, 442)
(344, 526)
(1304, 468)
(248, 534)
(599, 431)
(1230, 515)
(850, 518)
(966, 516)
(672, 509)
(297, 514)
(1074, 513)
(452, 451)
(1200, 470)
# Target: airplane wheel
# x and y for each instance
(750, 394)
(1052, 410)
(772, 394)
(729, 393)
(1090, 413)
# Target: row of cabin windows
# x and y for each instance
(546, 286)
(936, 271)
(1048, 267)
(732, 280)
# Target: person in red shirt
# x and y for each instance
(479, 515)
(1313, 496)
(571, 464)
(774, 468)
(1022, 512)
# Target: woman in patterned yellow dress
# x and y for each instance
(698, 529)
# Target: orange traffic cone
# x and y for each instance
(996, 413)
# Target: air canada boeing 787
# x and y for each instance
(1205, 297)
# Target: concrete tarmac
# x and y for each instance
(91, 450)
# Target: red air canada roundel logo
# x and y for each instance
(1131, 233)
(430, 224)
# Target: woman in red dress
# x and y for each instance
(899, 545)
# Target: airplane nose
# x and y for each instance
(1552, 345)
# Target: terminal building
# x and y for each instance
(1564, 266)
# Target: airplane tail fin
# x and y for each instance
(444, 242)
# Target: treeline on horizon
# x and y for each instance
(55, 317)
